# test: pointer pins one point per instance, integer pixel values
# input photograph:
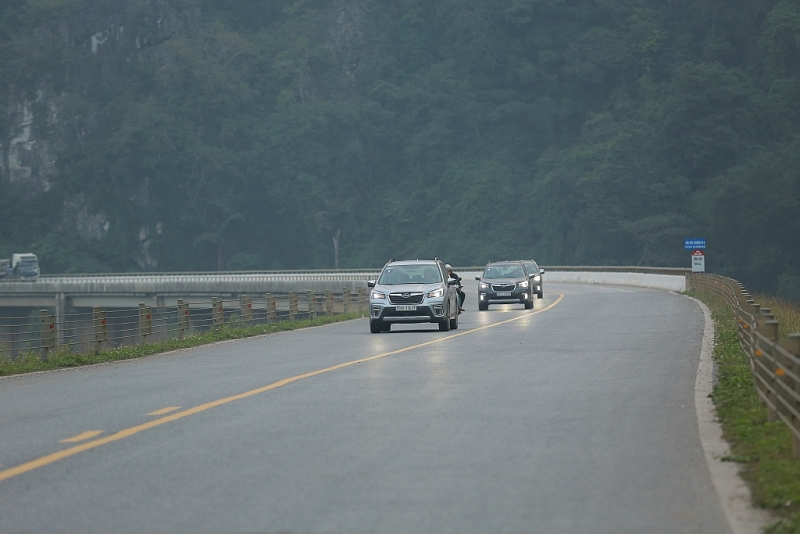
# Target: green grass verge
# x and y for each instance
(763, 449)
(64, 357)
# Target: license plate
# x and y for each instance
(504, 293)
(408, 308)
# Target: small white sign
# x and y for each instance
(698, 261)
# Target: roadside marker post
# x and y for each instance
(697, 245)
(698, 261)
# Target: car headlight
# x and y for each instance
(484, 285)
(523, 284)
(377, 295)
(436, 293)
(537, 278)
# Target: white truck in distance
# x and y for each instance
(20, 267)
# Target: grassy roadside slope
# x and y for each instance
(64, 358)
(762, 448)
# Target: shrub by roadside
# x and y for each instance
(64, 357)
(762, 448)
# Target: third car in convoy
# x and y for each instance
(536, 276)
(505, 282)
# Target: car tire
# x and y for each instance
(444, 325)
(454, 323)
(483, 306)
(375, 327)
(541, 294)
(386, 327)
(528, 304)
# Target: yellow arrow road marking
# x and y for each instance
(82, 436)
(128, 432)
(162, 411)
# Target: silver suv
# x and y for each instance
(413, 291)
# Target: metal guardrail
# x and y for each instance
(775, 365)
(328, 274)
(99, 329)
(216, 273)
(674, 271)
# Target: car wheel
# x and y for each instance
(541, 294)
(385, 327)
(444, 324)
(483, 306)
(454, 323)
(528, 304)
(375, 327)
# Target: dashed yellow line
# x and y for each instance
(166, 410)
(82, 437)
(128, 432)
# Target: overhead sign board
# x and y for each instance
(698, 261)
(694, 243)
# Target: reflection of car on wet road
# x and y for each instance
(504, 282)
(413, 291)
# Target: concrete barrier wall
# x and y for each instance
(655, 281)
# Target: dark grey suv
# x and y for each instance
(413, 291)
(504, 282)
(536, 277)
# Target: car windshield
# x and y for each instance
(503, 271)
(410, 274)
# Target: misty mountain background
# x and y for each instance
(180, 135)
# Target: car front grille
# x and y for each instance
(405, 298)
(504, 287)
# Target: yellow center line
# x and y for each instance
(128, 432)
(162, 411)
(82, 437)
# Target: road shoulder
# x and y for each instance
(733, 493)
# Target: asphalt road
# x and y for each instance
(575, 417)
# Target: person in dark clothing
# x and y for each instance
(461, 295)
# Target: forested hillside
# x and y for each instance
(257, 134)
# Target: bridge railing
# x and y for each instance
(88, 331)
(774, 363)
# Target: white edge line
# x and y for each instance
(733, 492)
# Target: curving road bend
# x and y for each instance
(575, 417)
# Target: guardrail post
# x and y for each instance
(100, 327)
(217, 312)
(47, 332)
(271, 304)
(346, 298)
(294, 307)
(60, 317)
(362, 300)
(328, 301)
(145, 321)
(183, 318)
(246, 309)
(769, 329)
(312, 304)
(767, 326)
(792, 344)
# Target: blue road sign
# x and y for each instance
(694, 244)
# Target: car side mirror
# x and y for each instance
(371, 283)
(452, 281)
(541, 271)
(478, 278)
